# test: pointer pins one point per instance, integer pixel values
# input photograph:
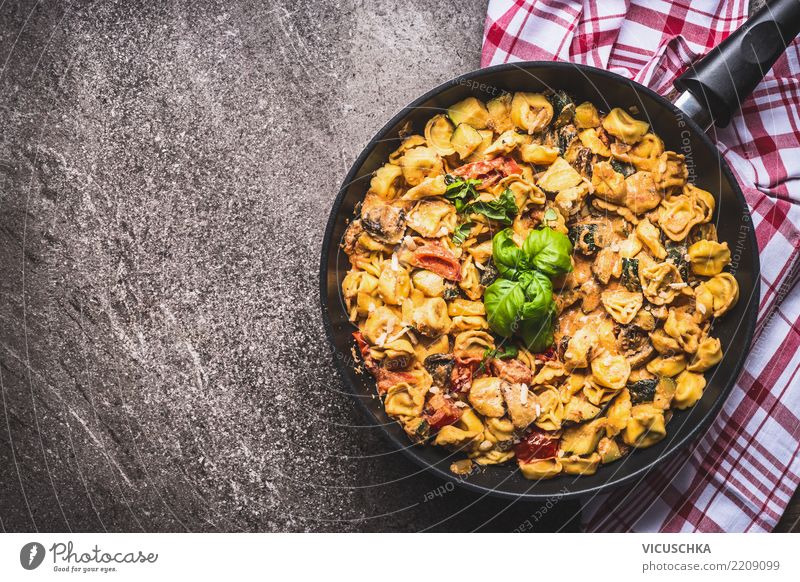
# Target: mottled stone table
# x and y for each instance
(166, 171)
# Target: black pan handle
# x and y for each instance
(722, 79)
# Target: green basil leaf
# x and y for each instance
(537, 334)
(461, 233)
(503, 209)
(502, 353)
(549, 251)
(460, 192)
(503, 300)
(508, 257)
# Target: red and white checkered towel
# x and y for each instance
(741, 474)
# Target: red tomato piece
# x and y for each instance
(439, 260)
(536, 446)
(444, 412)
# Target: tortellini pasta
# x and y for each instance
(708, 355)
(681, 326)
(427, 315)
(660, 282)
(717, 295)
(622, 305)
(608, 183)
(708, 257)
(681, 213)
(611, 370)
(624, 127)
(689, 388)
(531, 112)
(632, 321)
(646, 426)
(486, 396)
(420, 163)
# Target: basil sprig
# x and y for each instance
(462, 193)
(521, 301)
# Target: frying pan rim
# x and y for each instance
(673, 448)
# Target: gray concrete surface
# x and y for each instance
(166, 171)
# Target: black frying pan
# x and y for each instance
(713, 90)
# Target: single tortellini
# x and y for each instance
(404, 399)
(645, 155)
(688, 389)
(624, 127)
(583, 438)
(397, 353)
(387, 182)
(586, 116)
(542, 469)
(430, 283)
(524, 192)
(420, 163)
(579, 347)
(667, 365)
(538, 154)
(472, 345)
(433, 218)
(681, 213)
(486, 396)
(608, 183)
(576, 465)
(382, 324)
(438, 132)
(716, 296)
(650, 236)
(427, 315)
(664, 343)
(591, 139)
(660, 282)
(703, 201)
(622, 305)
(671, 172)
(552, 408)
(682, 328)
(611, 370)
(471, 280)
(531, 112)
(708, 355)
(506, 143)
(618, 414)
(641, 193)
(645, 427)
(708, 258)
(394, 284)
(428, 188)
